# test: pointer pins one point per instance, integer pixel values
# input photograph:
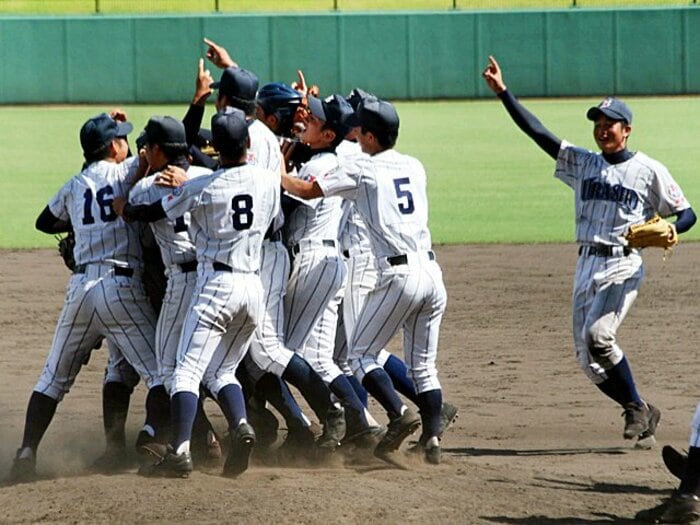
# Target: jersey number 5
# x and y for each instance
(242, 208)
(104, 201)
(405, 206)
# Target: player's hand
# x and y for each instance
(303, 88)
(171, 177)
(202, 86)
(118, 204)
(493, 76)
(218, 55)
(287, 147)
(118, 114)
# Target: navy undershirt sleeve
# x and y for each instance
(527, 122)
(145, 212)
(47, 222)
(685, 220)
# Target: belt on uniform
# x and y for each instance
(397, 260)
(189, 266)
(221, 267)
(325, 242)
(274, 236)
(346, 254)
(118, 270)
(603, 250)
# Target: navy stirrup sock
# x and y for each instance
(183, 410)
(621, 377)
(398, 372)
(40, 412)
(690, 483)
(378, 384)
(232, 404)
(343, 390)
(360, 391)
(300, 374)
(271, 388)
(430, 405)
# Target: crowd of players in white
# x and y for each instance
(239, 320)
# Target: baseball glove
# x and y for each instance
(654, 232)
(65, 249)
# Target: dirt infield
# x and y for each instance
(535, 443)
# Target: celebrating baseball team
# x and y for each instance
(286, 245)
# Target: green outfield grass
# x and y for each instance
(487, 181)
(232, 6)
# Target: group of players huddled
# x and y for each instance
(294, 246)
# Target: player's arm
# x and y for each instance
(685, 219)
(47, 222)
(195, 113)
(140, 212)
(525, 120)
(301, 188)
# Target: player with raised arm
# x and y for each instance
(613, 190)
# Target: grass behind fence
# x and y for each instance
(247, 6)
(487, 181)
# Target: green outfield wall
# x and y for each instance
(396, 55)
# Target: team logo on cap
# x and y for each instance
(328, 99)
(606, 103)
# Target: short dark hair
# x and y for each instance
(386, 139)
(173, 152)
(100, 154)
(246, 106)
(339, 134)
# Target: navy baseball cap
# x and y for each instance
(334, 110)
(354, 98)
(377, 114)
(237, 82)
(612, 108)
(100, 130)
(165, 131)
(228, 129)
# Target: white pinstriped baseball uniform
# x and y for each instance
(179, 258)
(230, 212)
(609, 198)
(389, 192)
(315, 286)
(105, 298)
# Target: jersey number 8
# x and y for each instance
(242, 208)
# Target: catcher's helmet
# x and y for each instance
(278, 95)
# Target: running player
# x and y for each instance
(613, 190)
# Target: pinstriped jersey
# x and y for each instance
(265, 152)
(230, 211)
(172, 236)
(101, 236)
(389, 192)
(609, 198)
(316, 218)
(353, 232)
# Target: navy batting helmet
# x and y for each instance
(282, 101)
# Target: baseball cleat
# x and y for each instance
(170, 466)
(23, 467)
(364, 438)
(448, 415)
(333, 429)
(646, 439)
(399, 429)
(432, 453)
(265, 424)
(242, 442)
(636, 419)
(148, 447)
(674, 460)
(679, 508)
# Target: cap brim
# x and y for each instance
(124, 128)
(215, 85)
(595, 112)
(316, 108)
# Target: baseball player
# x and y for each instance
(230, 211)
(613, 190)
(318, 275)
(362, 277)
(105, 298)
(684, 504)
(388, 190)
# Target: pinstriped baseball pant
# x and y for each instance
(410, 296)
(216, 333)
(100, 305)
(604, 290)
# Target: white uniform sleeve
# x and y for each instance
(141, 193)
(58, 204)
(570, 163)
(343, 181)
(666, 194)
(185, 198)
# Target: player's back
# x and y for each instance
(393, 201)
(101, 236)
(235, 210)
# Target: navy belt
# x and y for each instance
(221, 267)
(603, 250)
(397, 260)
(325, 242)
(118, 270)
(189, 266)
(346, 254)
